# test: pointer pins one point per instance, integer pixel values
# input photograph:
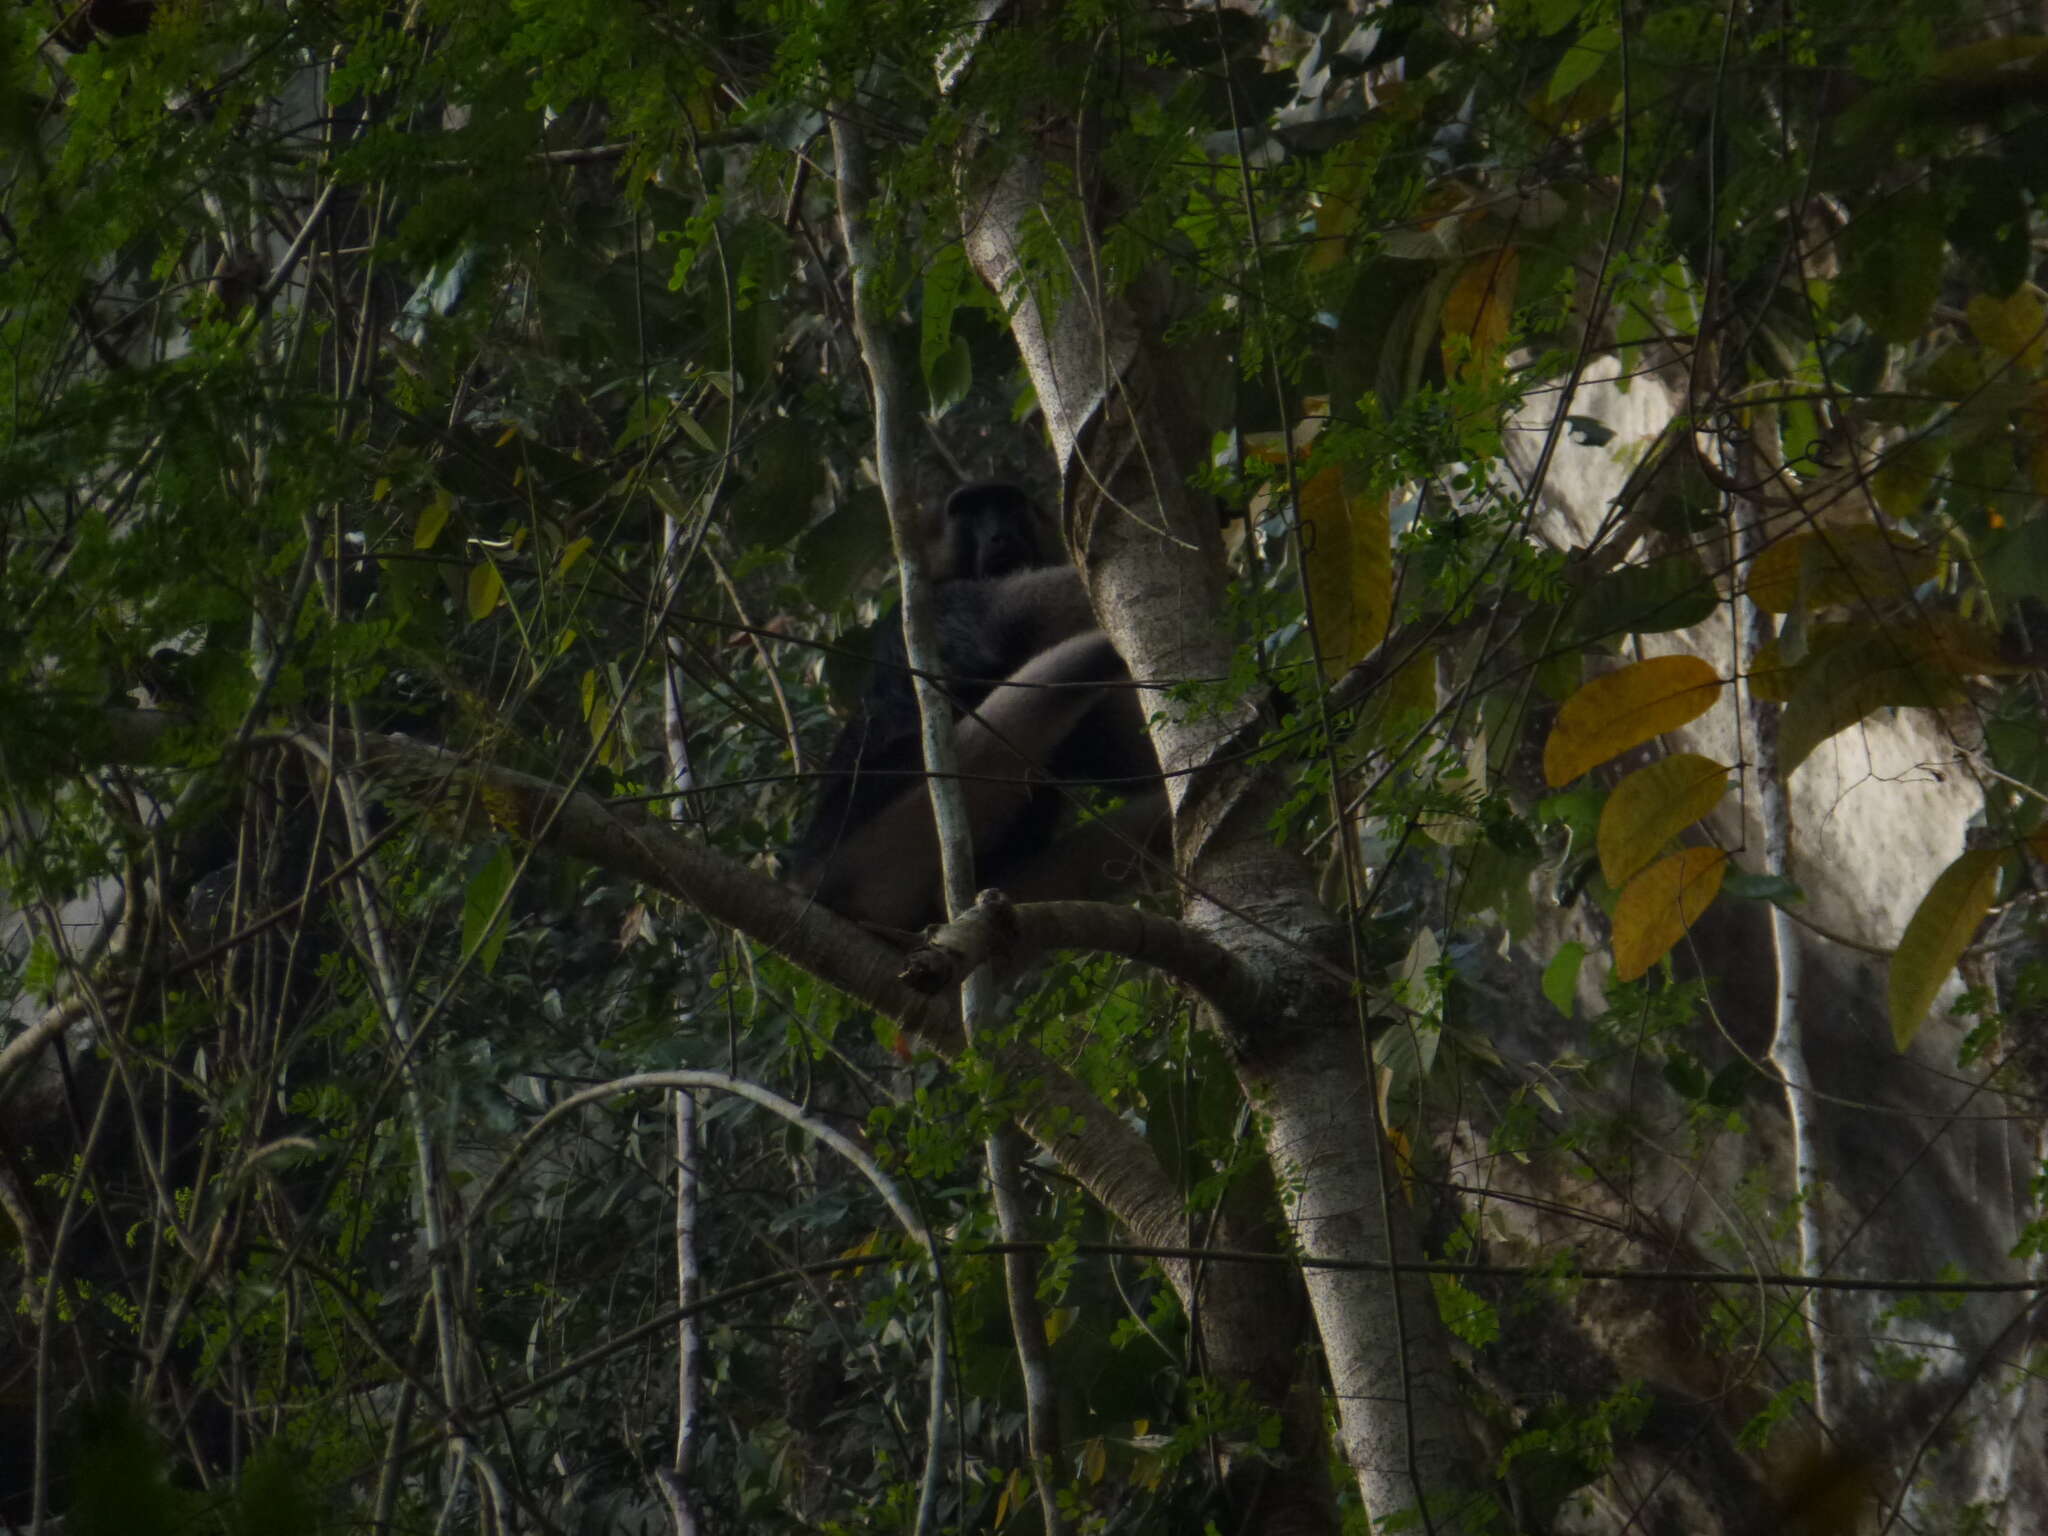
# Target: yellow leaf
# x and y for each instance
(2011, 327)
(1350, 567)
(1094, 1459)
(486, 588)
(1653, 805)
(1837, 565)
(1012, 1497)
(1937, 935)
(1058, 1321)
(576, 550)
(1654, 909)
(1478, 308)
(1625, 709)
(433, 519)
(1404, 1161)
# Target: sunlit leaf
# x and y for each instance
(486, 587)
(1941, 928)
(1653, 805)
(1349, 169)
(1477, 310)
(1624, 709)
(1837, 565)
(575, 550)
(1655, 909)
(2015, 326)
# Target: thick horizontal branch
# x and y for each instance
(485, 799)
(995, 929)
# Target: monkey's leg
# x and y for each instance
(1105, 858)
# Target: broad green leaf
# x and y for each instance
(1770, 678)
(2015, 326)
(1934, 940)
(1561, 976)
(1625, 709)
(1477, 309)
(433, 518)
(486, 588)
(1655, 909)
(483, 922)
(1837, 565)
(950, 376)
(1665, 594)
(1869, 668)
(1906, 474)
(1583, 60)
(1350, 567)
(1653, 805)
(1987, 223)
(1891, 271)
(948, 281)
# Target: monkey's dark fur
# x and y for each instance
(1024, 667)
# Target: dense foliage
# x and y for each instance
(1570, 373)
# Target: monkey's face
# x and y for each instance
(991, 530)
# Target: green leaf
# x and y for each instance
(1839, 686)
(1988, 226)
(1773, 888)
(1891, 272)
(1583, 60)
(1561, 976)
(483, 923)
(948, 379)
(1665, 594)
(1940, 930)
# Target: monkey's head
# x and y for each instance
(991, 529)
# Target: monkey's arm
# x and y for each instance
(887, 871)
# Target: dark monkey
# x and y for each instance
(1025, 668)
